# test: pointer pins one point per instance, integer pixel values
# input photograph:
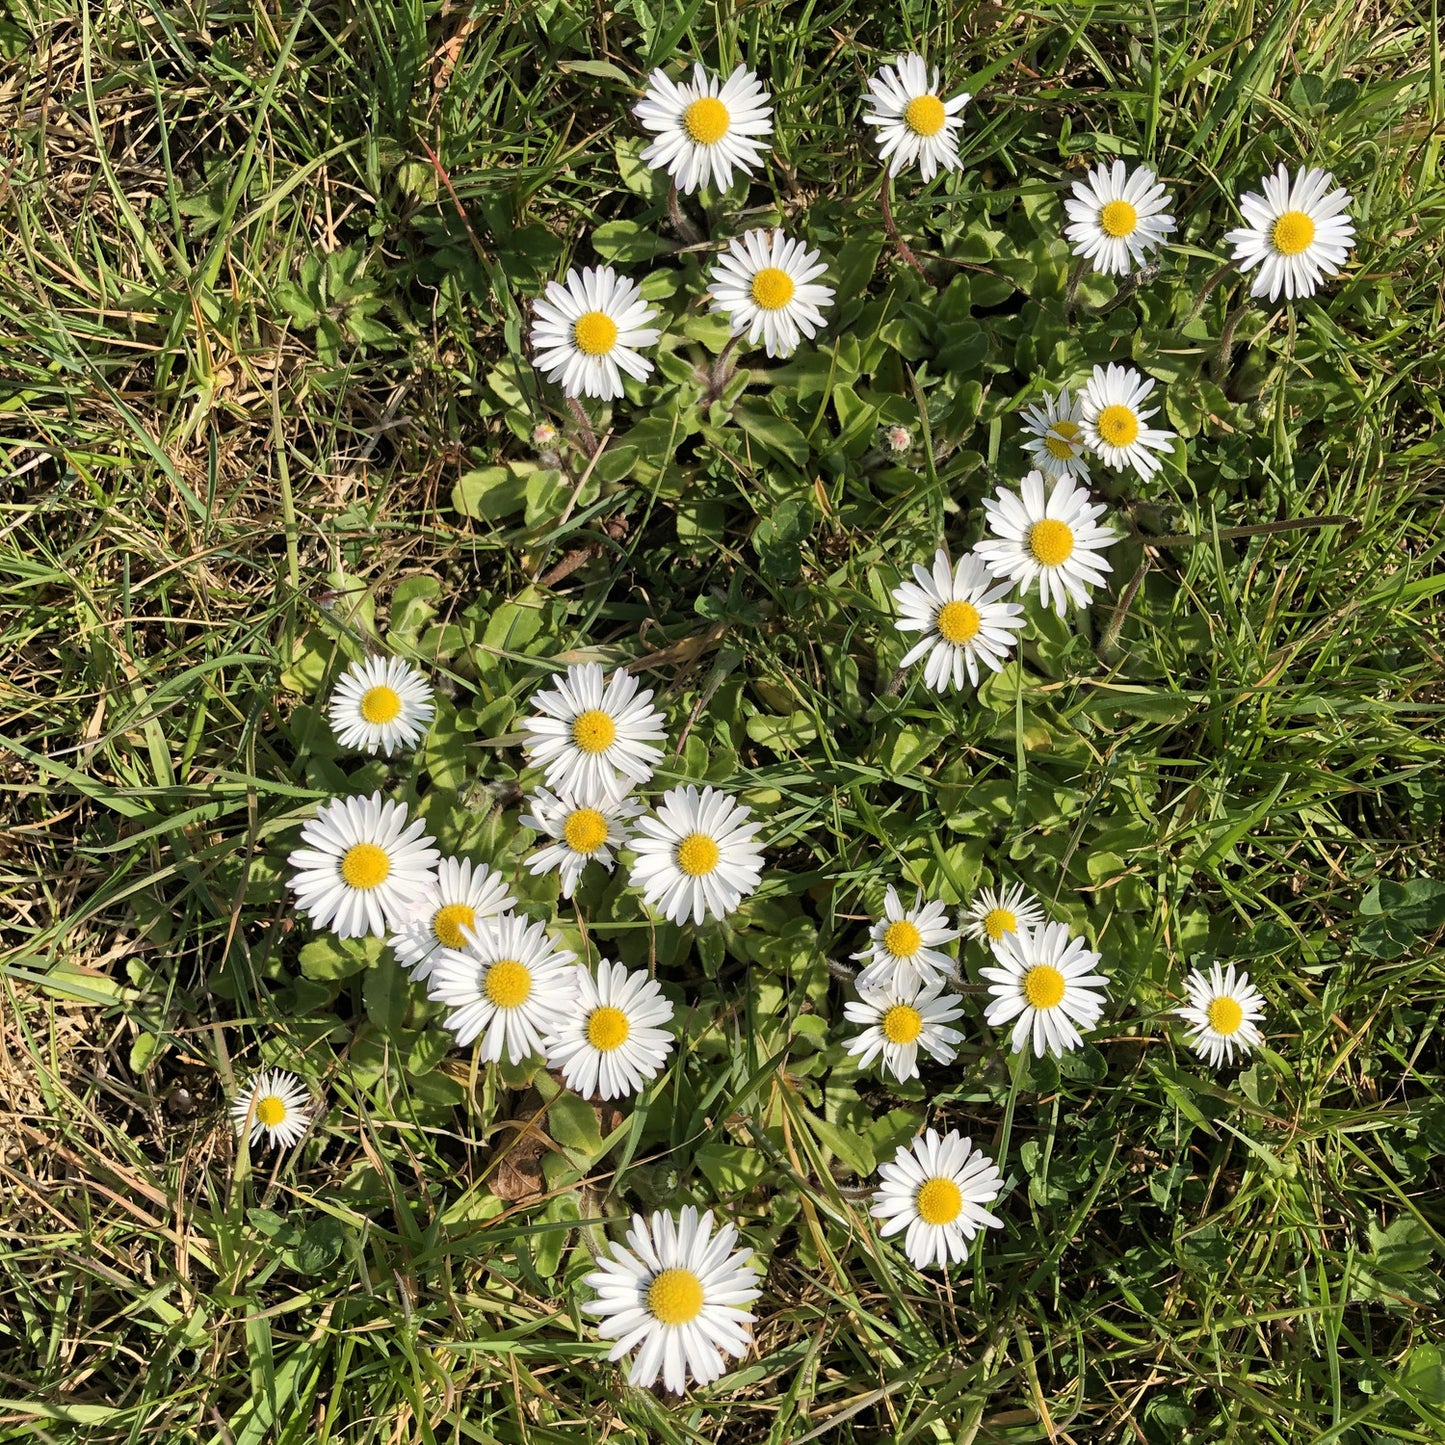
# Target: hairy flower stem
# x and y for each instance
(885, 198)
(722, 369)
(589, 440)
(1071, 291)
(1208, 290)
(1219, 367)
(681, 222)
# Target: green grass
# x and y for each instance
(263, 396)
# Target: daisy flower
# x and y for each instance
(959, 611)
(594, 741)
(936, 1189)
(766, 286)
(696, 855)
(1114, 419)
(1046, 980)
(900, 1020)
(510, 983)
(997, 911)
(273, 1104)
(680, 1293)
(379, 705)
(903, 944)
(585, 334)
(914, 123)
(705, 127)
(1295, 233)
(1056, 436)
(1223, 1014)
(460, 894)
(581, 833)
(612, 1038)
(1117, 217)
(1057, 540)
(362, 866)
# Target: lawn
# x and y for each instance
(268, 405)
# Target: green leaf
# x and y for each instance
(572, 1122)
(386, 991)
(779, 436)
(329, 957)
(492, 493)
(318, 1248)
(629, 241)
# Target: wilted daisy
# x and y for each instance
(904, 944)
(581, 832)
(900, 1020)
(1117, 217)
(362, 866)
(594, 740)
(1295, 233)
(936, 1189)
(381, 704)
(1114, 418)
(696, 855)
(997, 911)
(680, 1293)
(1046, 980)
(1056, 539)
(612, 1038)
(913, 121)
(1055, 434)
(766, 287)
(585, 334)
(1223, 1013)
(461, 893)
(274, 1104)
(959, 611)
(705, 127)
(510, 983)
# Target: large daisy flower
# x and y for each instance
(1056, 539)
(1117, 217)
(936, 1190)
(705, 127)
(767, 288)
(461, 893)
(612, 1039)
(589, 831)
(381, 704)
(1055, 434)
(1295, 233)
(913, 121)
(904, 944)
(1223, 1014)
(585, 334)
(362, 866)
(997, 911)
(900, 1020)
(1046, 980)
(274, 1105)
(963, 619)
(1114, 418)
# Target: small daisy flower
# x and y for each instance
(997, 911)
(1223, 1014)
(544, 434)
(696, 855)
(1055, 433)
(582, 832)
(904, 944)
(1056, 539)
(680, 1293)
(381, 704)
(899, 440)
(613, 1038)
(1117, 217)
(915, 124)
(586, 332)
(461, 894)
(1114, 418)
(1046, 980)
(1295, 233)
(705, 127)
(511, 984)
(767, 288)
(963, 619)
(275, 1105)
(594, 741)
(362, 866)
(900, 1020)
(936, 1189)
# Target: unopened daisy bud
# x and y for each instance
(899, 439)
(544, 434)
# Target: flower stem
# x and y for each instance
(680, 219)
(1071, 291)
(885, 198)
(589, 440)
(1209, 286)
(722, 369)
(1219, 368)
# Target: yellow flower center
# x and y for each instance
(675, 1297)
(365, 866)
(938, 1201)
(998, 921)
(1059, 440)
(594, 731)
(595, 333)
(270, 1111)
(1043, 986)
(1225, 1015)
(902, 938)
(924, 115)
(585, 830)
(1118, 218)
(1051, 541)
(1118, 426)
(902, 1024)
(607, 1028)
(508, 983)
(958, 622)
(380, 705)
(772, 288)
(706, 120)
(1293, 232)
(447, 924)
(697, 854)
